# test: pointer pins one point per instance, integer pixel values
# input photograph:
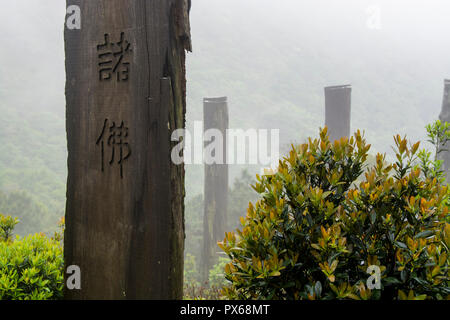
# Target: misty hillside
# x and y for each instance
(271, 58)
(273, 61)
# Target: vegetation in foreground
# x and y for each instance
(316, 234)
(31, 268)
(313, 234)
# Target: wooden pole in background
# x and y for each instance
(125, 94)
(445, 117)
(338, 111)
(215, 114)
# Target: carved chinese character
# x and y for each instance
(112, 58)
(115, 139)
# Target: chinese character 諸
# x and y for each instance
(115, 139)
(112, 58)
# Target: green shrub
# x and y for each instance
(209, 290)
(216, 274)
(314, 232)
(31, 268)
(7, 225)
(439, 135)
(190, 269)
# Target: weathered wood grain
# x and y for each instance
(125, 218)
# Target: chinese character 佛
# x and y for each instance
(115, 139)
(112, 58)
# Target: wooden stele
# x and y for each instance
(338, 111)
(215, 114)
(445, 116)
(125, 94)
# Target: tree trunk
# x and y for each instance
(338, 111)
(125, 94)
(215, 114)
(445, 117)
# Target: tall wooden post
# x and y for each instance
(125, 94)
(338, 111)
(445, 116)
(215, 115)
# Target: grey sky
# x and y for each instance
(413, 37)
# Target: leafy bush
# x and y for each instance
(216, 274)
(31, 268)
(238, 197)
(190, 269)
(196, 291)
(209, 290)
(439, 135)
(7, 225)
(314, 233)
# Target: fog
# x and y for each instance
(256, 36)
(272, 60)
